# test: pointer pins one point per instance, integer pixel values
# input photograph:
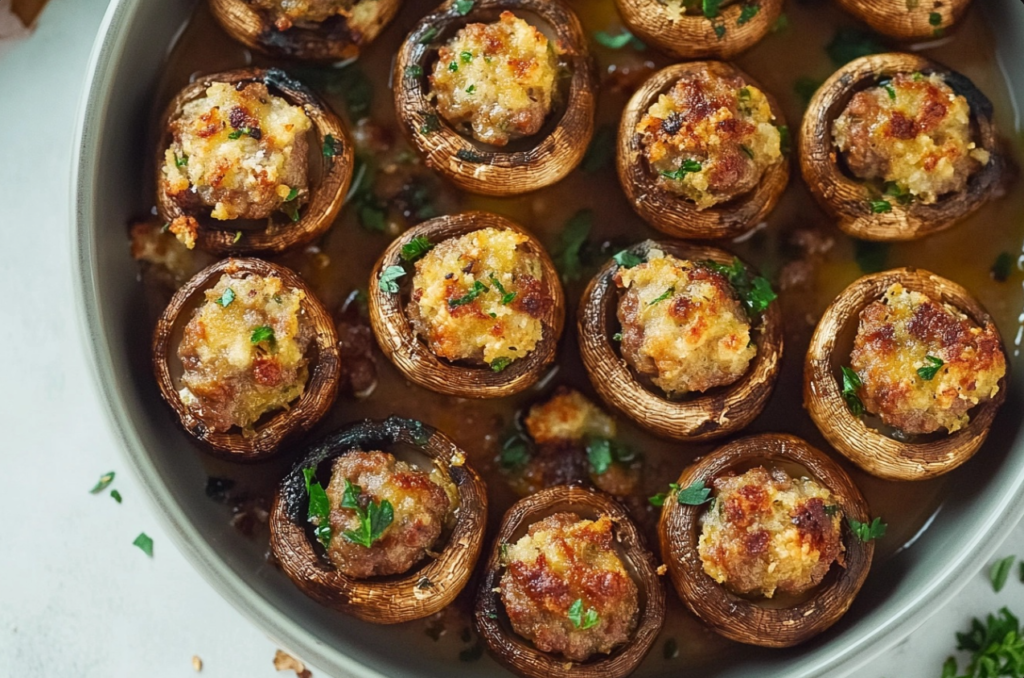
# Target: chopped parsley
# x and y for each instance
(1000, 572)
(226, 298)
(935, 19)
(785, 145)
(388, 278)
(261, 334)
(181, 161)
(868, 531)
(902, 195)
(750, 153)
(851, 386)
(996, 647)
(453, 67)
(755, 293)
(665, 295)
(468, 155)
(870, 256)
(413, 72)
(319, 507)
(238, 236)
(890, 90)
(622, 39)
(719, 30)
(688, 167)
(506, 297)
(103, 483)
(747, 13)
(431, 124)
(499, 364)
(237, 134)
(466, 57)
(428, 36)
(145, 543)
(627, 259)
(579, 618)
(602, 453)
(416, 248)
(571, 242)
(470, 89)
(332, 146)
(659, 499)
(1002, 267)
(515, 453)
(617, 336)
(116, 496)
(374, 518)
(852, 43)
(880, 206)
(929, 371)
(464, 7)
(600, 151)
(470, 296)
(694, 495)
(831, 510)
(710, 8)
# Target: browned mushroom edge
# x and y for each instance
(739, 618)
(675, 215)
(381, 600)
(714, 414)
(326, 197)
(846, 198)
(871, 449)
(331, 40)
(898, 19)
(694, 36)
(544, 158)
(518, 654)
(321, 388)
(398, 339)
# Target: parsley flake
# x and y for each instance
(388, 277)
(618, 41)
(116, 496)
(579, 618)
(416, 248)
(464, 7)
(145, 543)
(261, 334)
(688, 167)
(880, 206)
(428, 36)
(935, 19)
(499, 364)
(332, 146)
(226, 298)
(515, 453)
(627, 259)
(180, 161)
(374, 518)
(1000, 572)
(710, 8)
(572, 239)
(851, 386)
(474, 292)
(1003, 267)
(414, 72)
(599, 454)
(852, 43)
(755, 293)
(870, 256)
(659, 499)
(506, 296)
(929, 371)
(694, 495)
(319, 507)
(747, 13)
(665, 295)
(103, 483)
(238, 236)
(868, 531)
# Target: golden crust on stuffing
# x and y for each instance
(914, 132)
(906, 331)
(568, 416)
(563, 559)
(682, 325)
(710, 138)
(767, 532)
(498, 79)
(479, 297)
(358, 13)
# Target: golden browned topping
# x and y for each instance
(682, 325)
(480, 297)
(566, 589)
(420, 506)
(913, 132)
(568, 416)
(357, 13)
(710, 138)
(676, 9)
(241, 152)
(244, 351)
(923, 364)
(496, 79)
(767, 532)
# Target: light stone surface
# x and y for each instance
(77, 600)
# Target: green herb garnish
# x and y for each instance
(870, 256)
(665, 295)
(747, 13)
(466, 57)
(474, 292)
(506, 297)
(785, 144)
(428, 36)
(688, 167)
(332, 146)
(868, 531)
(1000, 572)
(103, 483)
(719, 30)
(805, 88)
(571, 241)
(453, 67)
(413, 72)
(694, 495)
(851, 386)
(622, 39)
(145, 543)
(374, 518)
(831, 510)
(431, 124)
(261, 334)
(935, 19)
(600, 151)
(996, 647)
(890, 90)
(781, 24)
(416, 248)
(579, 618)
(750, 153)
(1002, 267)
(515, 453)
(710, 8)
(181, 161)
(755, 293)
(226, 298)
(319, 507)
(499, 364)
(659, 499)
(463, 7)
(388, 277)
(627, 259)
(238, 236)
(116, 496)
(470, 89)
(880, 206)
(929, 371)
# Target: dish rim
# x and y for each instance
(112, 37)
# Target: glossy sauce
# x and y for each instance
(341, 263)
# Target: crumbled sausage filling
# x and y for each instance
(240, 152)
(244, 351)
(567, 415)
(710, 138)
(682, 325)
(480, 297)
(923, 364)
(420, 503)
(914, 134)
(497, 80)
(768, 532)
(566, 589)
(286, 13)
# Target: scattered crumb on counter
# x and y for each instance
(285, 662)
(197, 663)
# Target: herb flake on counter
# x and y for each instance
(116, 496)
(627, 259)
(929, 371)
(580, 619)
(600, 151)
(1003, 267)
(867, 531)
(388, 278)
(851, 386)
(852, 43)
(622, 39)
(1000, 572)
(659, 499)
(145, 543)
(464, 7)
(416, 248)
(319, 507)
(374, 518)
(688, 167)
(996, 646)
(694, 495)
(870, 256)
(499, 364)
(747, 13)
(103, 483)
(571, 241)
(470, 296)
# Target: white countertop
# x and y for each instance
(77, 599)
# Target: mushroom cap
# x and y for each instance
(674, 215)
(398, 339)
(875, 452)
(479, 168)
(518, 654)
(846, 199)
(896, 19)
(312, 405)
(325, 199)
(385, 600)
(707, 416)
(742, 619)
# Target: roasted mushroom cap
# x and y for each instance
(528, 164)
(410, 354)
(518, 654)
(694, 36)
(334, 39)
(847, 198)
(675, 215)
(902, 21)
(705, 416)
(328, 185)
(739, 618)
(873, 450)
(385, 600)
(324, 368)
